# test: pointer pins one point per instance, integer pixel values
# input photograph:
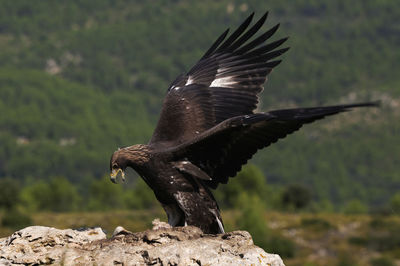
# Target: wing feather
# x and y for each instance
(248, 34)
(224, 83)
(260, 40)
(222, 150)
(237, 33)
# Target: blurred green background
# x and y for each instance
(78, 79)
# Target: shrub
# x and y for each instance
(384, 241)
(103, 195)
(296, 197)
(355, 207)
(382, 261)
(317, 224)
(252, 219)
(15, 219)
(9, 193)
(250, 180)
(58, 195)
(358, 241)
(346, 259)
(278, 244)
(140, 197)
(395, 203)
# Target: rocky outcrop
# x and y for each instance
(161, 246)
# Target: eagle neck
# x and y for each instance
(137, 155)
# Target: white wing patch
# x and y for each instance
(189, 81)
(225, 82)
(174, 88)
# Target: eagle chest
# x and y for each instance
(162, 176)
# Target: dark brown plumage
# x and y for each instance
(208, 129)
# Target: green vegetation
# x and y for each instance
(14, 218)
(252, 219)
(296, 197)
(382, 261)
(78, 79)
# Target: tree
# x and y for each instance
(141, 196)
(395, 203)
(103, 195)
(9, 201)
(252, 219)
(355, 206)
(9, 193)
(296, 197)
(57, 195)
(250, 180)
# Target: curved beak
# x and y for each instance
(114, 175)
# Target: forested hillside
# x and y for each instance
(79, 79)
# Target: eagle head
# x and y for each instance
(132, 156)
(118, 164)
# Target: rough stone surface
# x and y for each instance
(162, 246)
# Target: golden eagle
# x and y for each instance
(208, 128)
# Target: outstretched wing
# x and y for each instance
(224, 83)
(222, 150)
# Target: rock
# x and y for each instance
(163, 246)
(43, 245)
